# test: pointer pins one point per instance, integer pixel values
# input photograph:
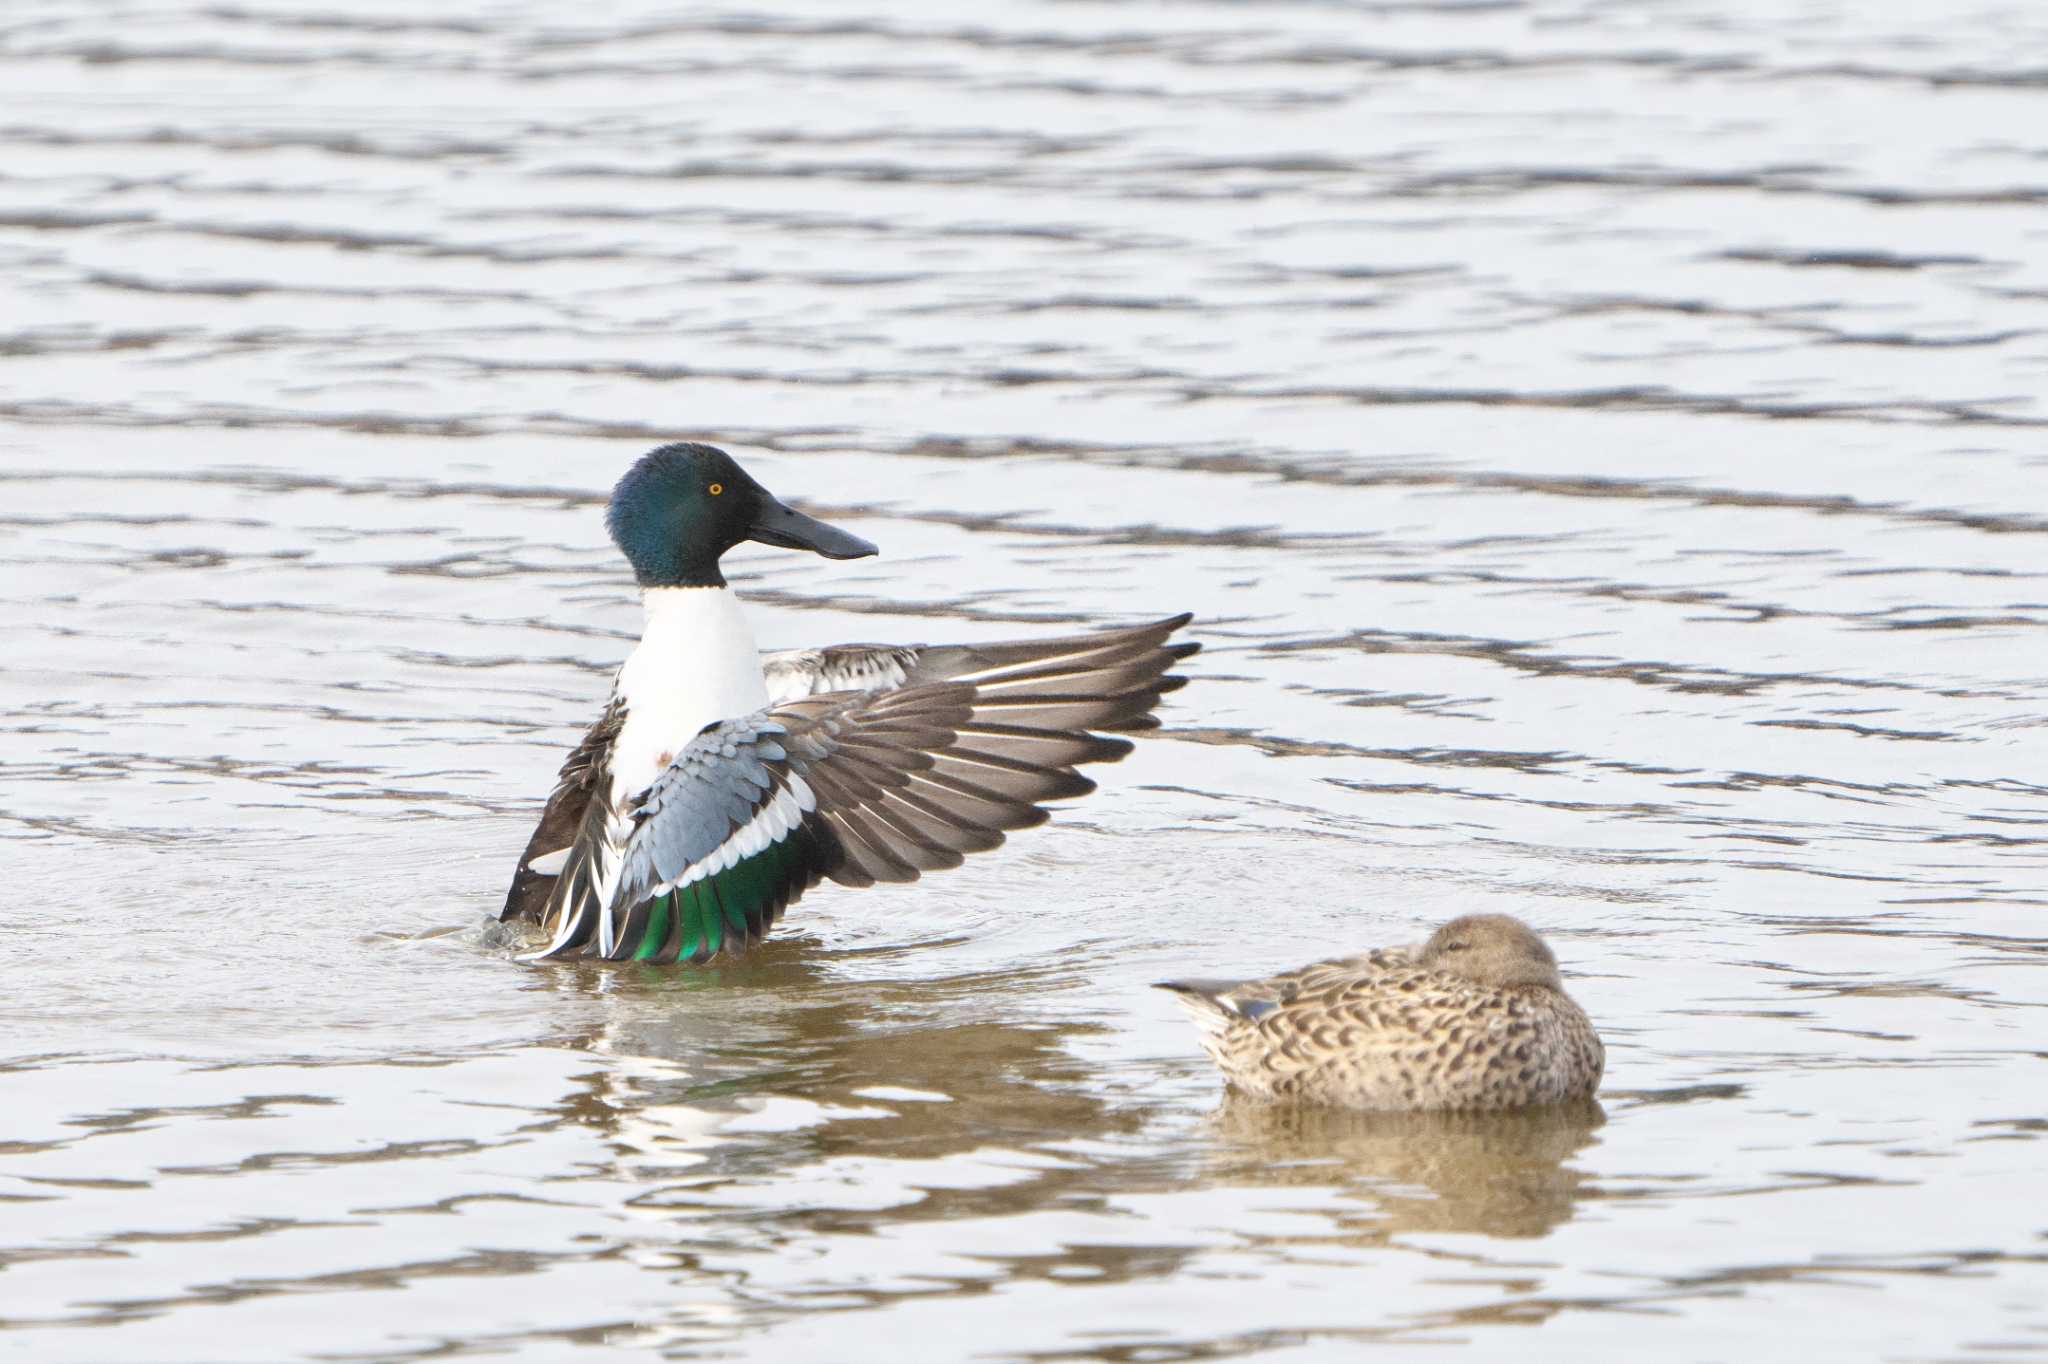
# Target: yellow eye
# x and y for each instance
(716, 489)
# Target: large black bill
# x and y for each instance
(779, 525)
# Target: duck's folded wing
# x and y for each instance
(798, 673)
(861, 787)
(1316, 991)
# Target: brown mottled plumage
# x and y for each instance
(1475, 1018)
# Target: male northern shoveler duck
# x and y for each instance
(1475, 1018)
(715, 789)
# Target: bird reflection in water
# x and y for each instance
(1496, 1174)
(793, 1055)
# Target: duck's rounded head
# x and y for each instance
(681, 507)
(1495, 950)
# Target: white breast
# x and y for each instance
(696, 664)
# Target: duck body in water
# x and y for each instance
(1475, 1018)
(716, 786)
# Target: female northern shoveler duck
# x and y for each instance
(714, 790)
(1475, 1018)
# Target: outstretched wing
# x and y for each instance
(793, 674)
(862, 787)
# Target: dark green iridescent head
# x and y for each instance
(679, 509)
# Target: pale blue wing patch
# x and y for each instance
(711, 791)
(728, 796)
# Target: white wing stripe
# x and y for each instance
(770, 825)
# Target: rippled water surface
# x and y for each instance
(1603, 444)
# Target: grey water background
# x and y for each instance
(1603, 443)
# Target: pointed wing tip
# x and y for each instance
(1207, 991)
(1209, 1004)
(1154, 630)
(1159, 630)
